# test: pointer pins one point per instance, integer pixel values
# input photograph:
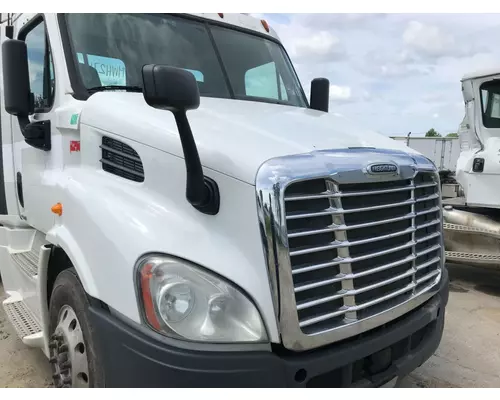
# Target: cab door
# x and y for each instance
(30, 163)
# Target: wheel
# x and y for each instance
(72, 351)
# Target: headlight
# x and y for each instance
(186, 302)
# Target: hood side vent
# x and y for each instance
(120, 159)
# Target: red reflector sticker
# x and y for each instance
(74, 145)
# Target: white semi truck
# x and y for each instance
(472, 215)
(175, 212)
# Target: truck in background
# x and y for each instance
(442, 151)
(472, 217)
(174, 212)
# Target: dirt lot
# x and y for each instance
(467, 357)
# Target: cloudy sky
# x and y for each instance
(393, 72)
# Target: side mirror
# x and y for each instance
(176, 90)
(16, 82)
(18, 98)
(170, 88)
(320, 94)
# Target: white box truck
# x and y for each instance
(442, 151)
(175, 212)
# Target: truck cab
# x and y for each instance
(175, 211)
(478, 165)
(472, 212)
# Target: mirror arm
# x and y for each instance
(23, 123)
(201, 191)
(36, 134)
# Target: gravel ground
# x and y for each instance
(467, 357)
(21, 366)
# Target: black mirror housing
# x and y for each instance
(176, 90)
(320, 94)
(17, 93)
(170, 88)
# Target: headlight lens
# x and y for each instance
(186, 302)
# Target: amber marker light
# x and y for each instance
(57, 209)
(265, 25)
(147, 300)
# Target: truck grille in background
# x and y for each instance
(120, 159)
(359, 249)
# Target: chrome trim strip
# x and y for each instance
(351, 227)
(328, 194)
(338, 166)
(427, 224)
(428, 250)
(353, 292)
(346, 243)
(342, 277)
(336, 211)
(428, 211)
(351, 260)
(376, 301)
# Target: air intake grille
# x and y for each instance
(121, 159)
(359, 249)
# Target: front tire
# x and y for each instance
(72, 350)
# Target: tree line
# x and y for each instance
(433, 133)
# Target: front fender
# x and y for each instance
(108, 223)
(61, 236)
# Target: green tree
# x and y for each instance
(432, 133)
(453, 134)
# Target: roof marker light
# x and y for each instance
(221, 15)
(265, 25)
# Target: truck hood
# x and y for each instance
(234, 137)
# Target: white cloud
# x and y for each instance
(432, 41)
(435, 115)
(338, 21)
(307, 44)
(316, 47)
(392, 72)
(320, 46)
(341, 93)
(391, 64)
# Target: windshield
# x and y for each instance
(111, 49)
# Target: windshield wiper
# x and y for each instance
(137, 89)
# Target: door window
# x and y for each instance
(490, 103)
(40, 67)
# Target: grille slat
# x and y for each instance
(340, 211)
(363, 306)
(120, 159)
(326, 195)
(341, 277)
(353, 259)
(347, 243)
(354, 292)
(359, 249)
(344, 310)
(350, 227)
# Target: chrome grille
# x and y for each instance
(359, 249)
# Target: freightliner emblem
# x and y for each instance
(382, 168)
